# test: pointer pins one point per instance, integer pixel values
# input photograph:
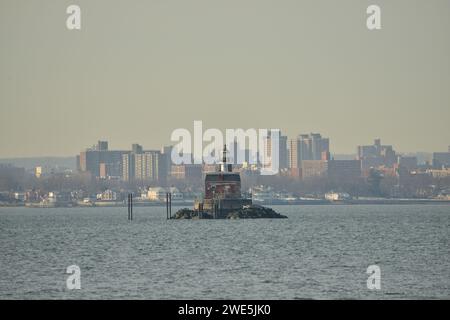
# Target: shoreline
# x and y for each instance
(267, 203)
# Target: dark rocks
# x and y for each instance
(246, 212)
(255, 212)
(191, 214)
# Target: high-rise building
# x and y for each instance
(191, 172)
(128, 166)
(234, 151)
(294, 154)
(144, 166)
(102, 146)
(441, 159)
(103, 170)
(341, 170)
(408, 163)
(149, 166)
(166, 153)
(283, 158)
(136, 148)
(336, 170)
(319, 146)
(376, 155)
(314, 169)
(90, 160)
(308, 147)
(238, 154)
(139, 166)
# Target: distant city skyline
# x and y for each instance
(129, 146)
(139, 70)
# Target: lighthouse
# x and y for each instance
(223, 199)
(224, 166)
(222, 190)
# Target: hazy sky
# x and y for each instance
(139, 69)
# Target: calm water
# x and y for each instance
(320, 252)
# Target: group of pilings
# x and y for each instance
(168, 206)
(130, 206)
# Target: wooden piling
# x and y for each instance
(130, 206)
(167, 205)
(170, 205)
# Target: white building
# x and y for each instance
(159, 194)
(107, 195)
(19, 196)
(337, 196)
(439, 173)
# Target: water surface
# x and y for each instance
(319, 252)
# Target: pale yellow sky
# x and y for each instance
(139, 69)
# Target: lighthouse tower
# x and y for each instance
(224, 166)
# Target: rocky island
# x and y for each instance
(247, 212)
(223, 199)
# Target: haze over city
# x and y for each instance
(137, 71)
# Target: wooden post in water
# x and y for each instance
(170, 205)
(131, 206)
(214, 203)
(167, 205)
(128, 204)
